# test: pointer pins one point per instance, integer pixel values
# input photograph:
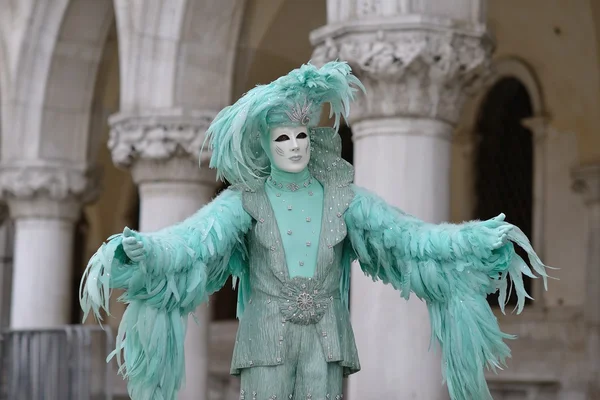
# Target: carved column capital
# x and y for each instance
(410, 71)
(48, 191)
(586, 181)
(158, 136)
(162, 145)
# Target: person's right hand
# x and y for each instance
(133, 245)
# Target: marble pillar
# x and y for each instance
(587, 182)
(417, 68)
(6, 265)
(163, 153)
(45, 202)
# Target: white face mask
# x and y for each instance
(290, 148)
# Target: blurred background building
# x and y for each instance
(474, 108)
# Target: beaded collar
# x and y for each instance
(290, 186)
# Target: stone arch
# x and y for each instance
(53, 81)
(465, 146)
(209, 40)
(508, 67)
(269, 45)
(177, 55)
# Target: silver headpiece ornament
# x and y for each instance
(300, 114)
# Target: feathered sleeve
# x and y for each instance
(185, 263)
(453, 268)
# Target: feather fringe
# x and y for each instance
(453, 268)
(184, 264)
(234, 136)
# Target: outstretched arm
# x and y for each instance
(165, 275)
(453, 268)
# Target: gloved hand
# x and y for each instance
(133, 245)
(498, 230)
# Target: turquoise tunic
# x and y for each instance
(297, 202)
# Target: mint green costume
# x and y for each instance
(297, 202)
(294, 338)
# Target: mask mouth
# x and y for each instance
(295, 158)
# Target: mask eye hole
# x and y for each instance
(282, 138)
(302, 135)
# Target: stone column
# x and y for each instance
(417, 66)
(45, 202)
(162, 152)
(6, 264)
(587, 182)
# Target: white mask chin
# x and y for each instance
(290, 148)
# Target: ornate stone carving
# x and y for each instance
(48, 190)
(56, 183)
(157, 137)
(413, 72)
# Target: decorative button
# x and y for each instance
(289, 232)
(308, 244)
(261, 220)
(289, 207)
(278, 359)
(301, 263)
(339, 214)
(307, 219)
(310, 193)
(251, 362)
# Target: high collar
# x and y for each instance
(289, 181)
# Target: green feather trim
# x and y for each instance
(453, 268)
(185, 263)
(234, 136)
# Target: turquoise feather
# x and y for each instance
(234, 136)
(452, 268)
(184, 265)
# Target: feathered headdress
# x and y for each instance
(294, 99)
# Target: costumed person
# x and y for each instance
(287, 230)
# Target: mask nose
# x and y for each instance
(295, 145)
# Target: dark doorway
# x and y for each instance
(504, 160)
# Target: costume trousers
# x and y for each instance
(305, 374)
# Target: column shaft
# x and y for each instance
(42, 291)
(410, 171)
(172, 187)
(417, 67)
(164, 204)
(587, 182)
